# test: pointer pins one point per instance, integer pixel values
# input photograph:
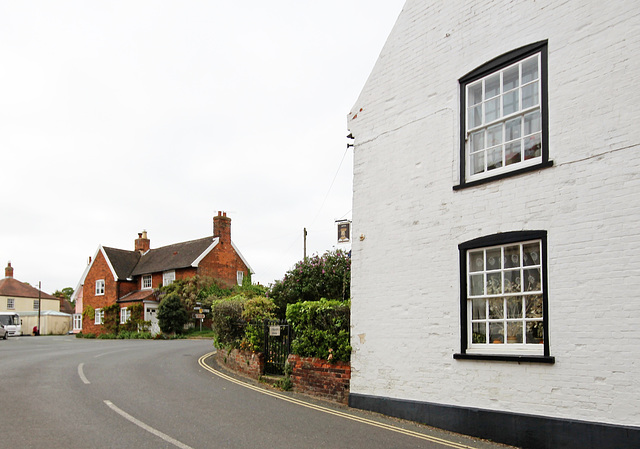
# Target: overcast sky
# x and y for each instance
(123, 116)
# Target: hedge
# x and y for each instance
(321, 329)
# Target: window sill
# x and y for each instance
(507, 358)
(464, 185)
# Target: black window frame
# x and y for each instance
(494, 240)
(494, 65)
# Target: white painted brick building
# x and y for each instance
(510, 128)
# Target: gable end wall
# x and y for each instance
(405, 282)
(222, 263)
(99, 270)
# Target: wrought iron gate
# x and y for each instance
(277, 343)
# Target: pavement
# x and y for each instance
(409, 428)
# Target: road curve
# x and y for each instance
(63, 392)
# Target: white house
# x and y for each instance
(35, 308)
(496, 250)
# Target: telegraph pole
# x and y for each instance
(39, 303)
(305, 244)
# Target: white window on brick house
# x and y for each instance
(146, 281)
(99, 316)
(36, 304)
(504, 116)
(100, 287)
(125, 315)
(11, 303)
(239, 276)
(168, 277)
(504, 296)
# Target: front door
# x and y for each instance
(151, 314)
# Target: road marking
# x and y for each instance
(83, 378)
(111, 352)
(329, 411)
(149, 429)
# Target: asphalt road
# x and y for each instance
(63, 392)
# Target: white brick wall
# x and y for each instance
(405, 285)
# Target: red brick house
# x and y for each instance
(116, 276)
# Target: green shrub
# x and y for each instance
(256, 310)
(136, 320)
(286, 383)
(312, 279)
(89, 312)
(107, 336)
(90, 335)
(237, 321)
(171, 314)
(227, 322)
(111, 321)
(193, 290)
(202, 292)
(321, 329)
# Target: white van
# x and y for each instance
(11, 322)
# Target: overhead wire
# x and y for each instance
(331, 186)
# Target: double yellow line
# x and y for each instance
(329, 411)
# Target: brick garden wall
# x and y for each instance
(312, 376)
(244, 362)
(318, 377)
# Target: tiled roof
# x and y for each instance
(179, 255)
(128, 264)
(13, 287)
(122, 261)
(138, 295)
(66, 307)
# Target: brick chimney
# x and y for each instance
(142, 242)
(222, 227)
(8, 271)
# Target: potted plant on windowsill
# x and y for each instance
(514, 338)
(535, 332)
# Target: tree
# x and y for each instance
(171, 314)
(65, 293)
(314, 278)
(202, 291)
